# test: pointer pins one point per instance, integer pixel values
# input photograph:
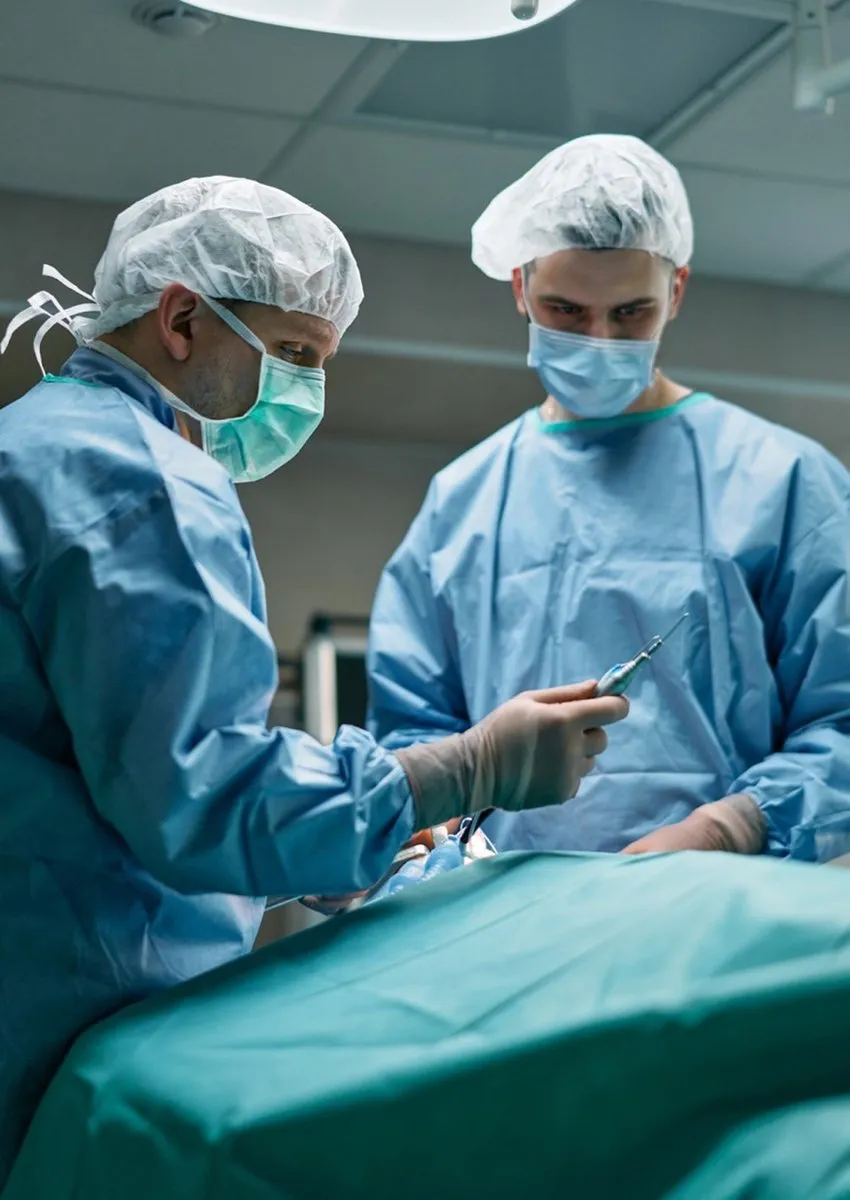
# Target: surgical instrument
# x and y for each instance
(617, 680)
(613, 683)
(472, 825)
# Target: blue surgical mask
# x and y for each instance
(591, 377)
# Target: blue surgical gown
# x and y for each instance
(145, 805)
(551, 552)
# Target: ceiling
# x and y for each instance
(412, 142)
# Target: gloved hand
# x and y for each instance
(531, 752)
(734, 825)
(423, 841)
(444, 858)
(414, 855)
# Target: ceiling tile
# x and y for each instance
(591, 69)
(433, 189)
(770, 189)
(757, 130)
(751, 228)
(95, 44)
(71, 144)
(395, 185)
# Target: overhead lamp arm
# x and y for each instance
(817, 80)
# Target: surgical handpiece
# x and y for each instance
(617, 681)
(613, 683)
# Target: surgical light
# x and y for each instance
(398, 20)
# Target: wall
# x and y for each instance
(325, 525)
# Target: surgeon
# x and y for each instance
(563, 543)
(146, 808)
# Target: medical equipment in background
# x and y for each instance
(817, 80)
(334, 676)
(617, 680)
(403, 20)
(286, 705)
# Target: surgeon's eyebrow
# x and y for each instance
(555, 298)
(641, 300)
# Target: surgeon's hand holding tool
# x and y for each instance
(615, 682)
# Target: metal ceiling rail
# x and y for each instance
(778, 11)
(721, 88)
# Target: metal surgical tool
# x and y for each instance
(617, 681)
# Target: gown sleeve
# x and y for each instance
(150, 623)
(803, 788)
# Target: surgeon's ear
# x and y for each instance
(680, 286)
(519, 297)
(176, 309)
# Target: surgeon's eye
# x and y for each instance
(631, 312)
(289, 353)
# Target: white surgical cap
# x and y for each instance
(231, 239)
(604, 192)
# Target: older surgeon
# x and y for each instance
(564, 542)
(146, 808)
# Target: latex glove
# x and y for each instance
(734, 825)
(446, 857)
(532, 752)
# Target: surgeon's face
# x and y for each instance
(215, 371)
(601, 294)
